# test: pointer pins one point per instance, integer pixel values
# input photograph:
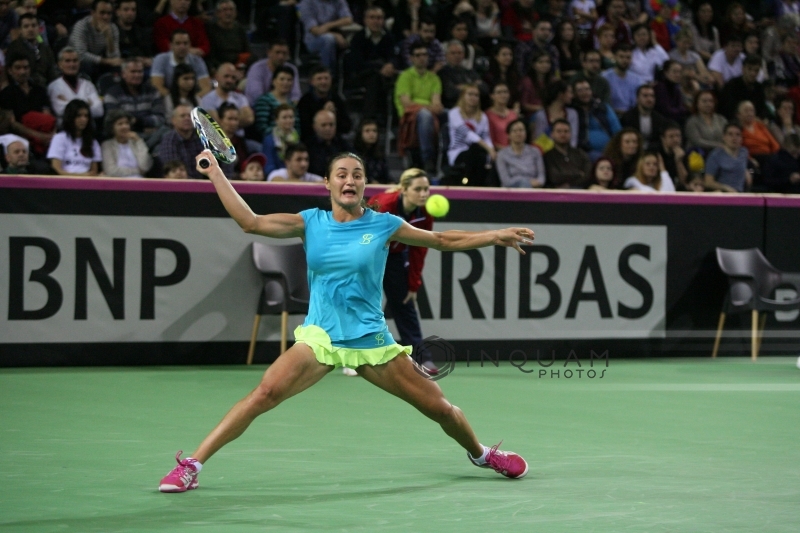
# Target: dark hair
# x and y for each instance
(14, 57)
(705, 31)
(179, 31)
(730, 125)
(792, 140)
(172, 165)
(553, 91)
(224, 107)
(560, 121)
(752, 61)
(68, 124)
(283, 69)
(427, 20)
(622, 47)
(292, 149)
(372, 151)
(670, 125)
(95, 3)
(532, 74)
(26, 16)
(277, 41)
(574, 45)
(283, 107)
(512, 74)
(735, 38)
(518, 121)
(182, 69)
(596, 164)
(644, 86)
(343, 155)
(111, 119)
(700, 93)
(319, 69)
(416, 46)
(591, 51)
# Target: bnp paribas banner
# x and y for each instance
(76, 278)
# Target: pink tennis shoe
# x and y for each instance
(182, 478)
(509, 464)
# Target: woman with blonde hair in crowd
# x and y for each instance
(650, 176)
(470, 141)
(402, 278)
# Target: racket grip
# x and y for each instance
(204, 163)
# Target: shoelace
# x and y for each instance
(184, 465)
(497, 459)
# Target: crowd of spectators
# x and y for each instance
(647, 95)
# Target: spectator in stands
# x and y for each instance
(744, 87)
(370, 63)
(499, 115)
(756, 137)
(726, 63)
(96, 39)
(226, 92)
(135, 41)
(518, 20)
(705, 36)
(558, 97)
(15, 149)
(426, 37)
(705, 127)
(140, 101)
(74, 150)
(460, 31)
(597, 122)
(673, 156)
(183, 89)
(644, 117)
(566, 167)
(623, 83)
(407, 15)
(164, 64)
(297, 165)
(784, 123)
(734, 22)
(252, 168)
(259, 75)
(726, 167)
(322, 21)
(8, 21)
(227, 38)
(229, 121)
(325, 142)
(454, 76)
(70, 86)
(534, 84)
(520, 164)
(650, 175)
(526, 51)
(606, 43)
(279, 95)
(33, 118)
(624, 151)
(669, 96)
(648, 56)
(178, 18)
(487, 23)
(693, 65)
(367, 146)
(125, 155)
(470, 143)
(40, 56)
(602, 175)
(787, 62)
(175, 170)
(569, 49)
(282, 135)
(181, 143)
(417, 96)
(590, 71)
(321, 95)
(53, 35)
(503, 70)
(782, 173)
(614, 18)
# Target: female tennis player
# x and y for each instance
(403, 276)
(346, 249)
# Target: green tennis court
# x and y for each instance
(655, 445)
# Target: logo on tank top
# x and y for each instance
(379, 339)
(366, 238)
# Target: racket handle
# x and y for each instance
(204, 163)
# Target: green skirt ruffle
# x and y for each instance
(320, 343)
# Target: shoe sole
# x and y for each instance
(175, 488)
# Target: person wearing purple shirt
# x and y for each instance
(321, 19)
(259, 76)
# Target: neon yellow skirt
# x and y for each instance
(320, 343)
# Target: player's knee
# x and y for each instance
(265, 397)
(442, 412)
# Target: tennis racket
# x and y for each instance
(213, 137)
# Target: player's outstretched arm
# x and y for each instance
(278, 225)
(454, 240)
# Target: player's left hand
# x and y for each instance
(514, 237)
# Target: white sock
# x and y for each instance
(482, 459)
(198, 466)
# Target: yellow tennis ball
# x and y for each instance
(437, 205)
